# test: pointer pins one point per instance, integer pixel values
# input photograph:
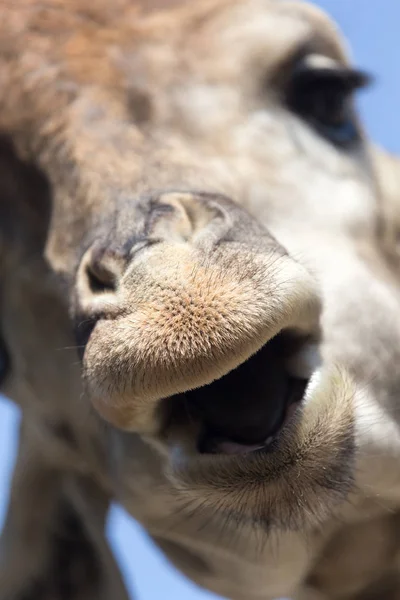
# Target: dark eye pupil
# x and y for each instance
(323, 98)
(326, 104)
(331, 105)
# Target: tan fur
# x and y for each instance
(154, 149)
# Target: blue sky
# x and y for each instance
(372, 28)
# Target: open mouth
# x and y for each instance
(245, 410)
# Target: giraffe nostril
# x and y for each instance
(100, 272)
(97, 284)
(100, 278)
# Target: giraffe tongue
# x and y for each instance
(228, 447)
(244, 411)
(219, 445)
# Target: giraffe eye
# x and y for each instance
(321, 92)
